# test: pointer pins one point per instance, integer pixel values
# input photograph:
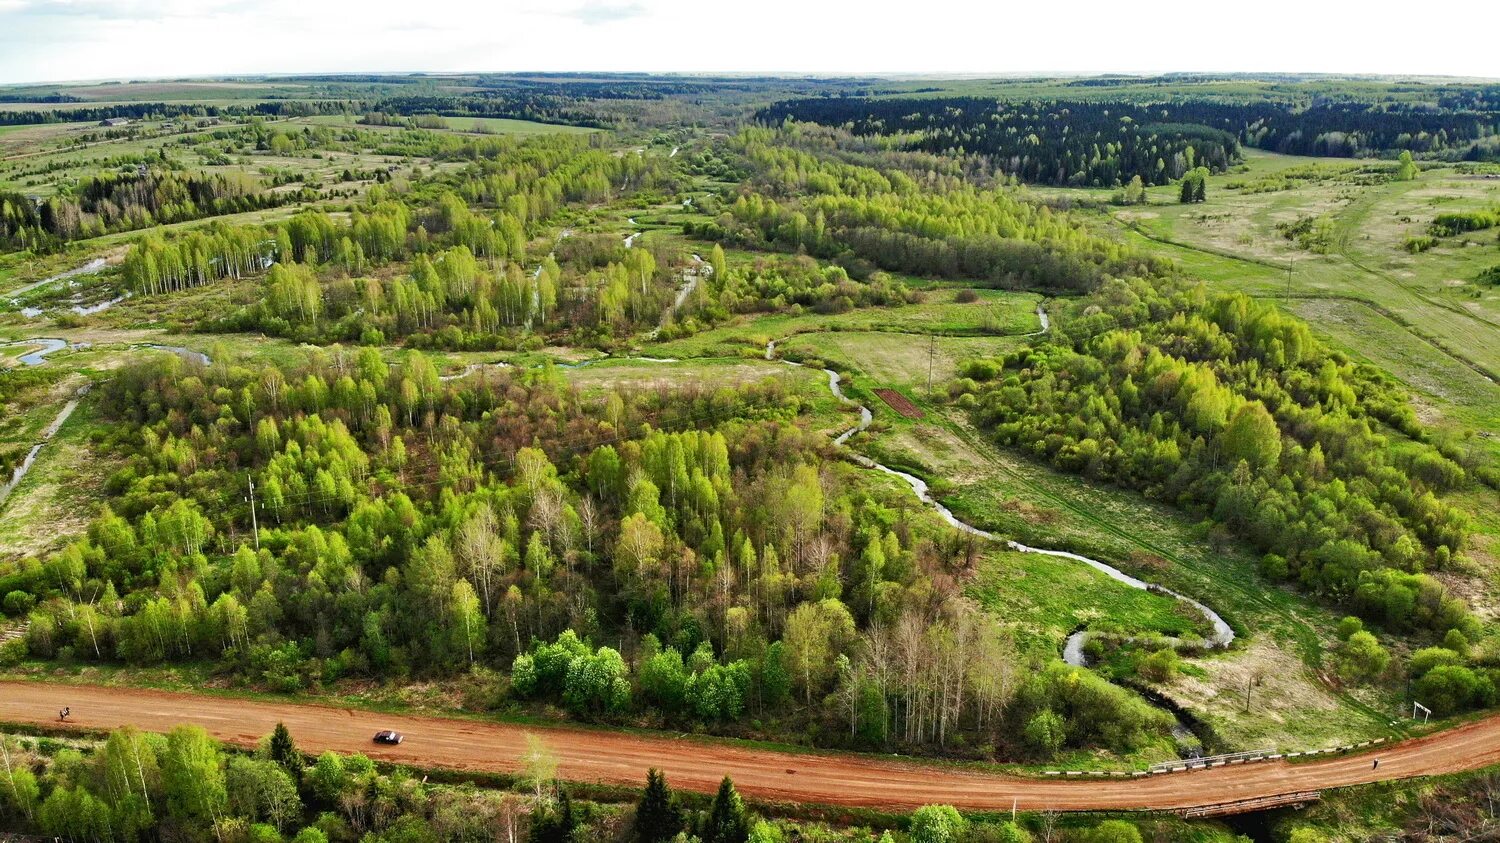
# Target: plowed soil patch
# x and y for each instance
(900, 403)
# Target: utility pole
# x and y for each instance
(1248, 681)
(931, 355)
(1289, 262)
(254, 524)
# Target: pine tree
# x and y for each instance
(728, 821)
(658, 817)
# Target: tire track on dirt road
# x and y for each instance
(622, 758)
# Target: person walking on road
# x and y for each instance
(1375, 765)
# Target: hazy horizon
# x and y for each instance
(62, 41)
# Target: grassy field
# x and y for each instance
(1232, 240)
(57, 497)
(214, 91)
(1045, 598)
(650, 375)
(996, 313)
(893, 359)
(1420, 317)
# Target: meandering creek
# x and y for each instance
(47, 345)
(36, 358)
(19, 472)
(1073, 649)
(93, 266)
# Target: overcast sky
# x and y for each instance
(56, 40)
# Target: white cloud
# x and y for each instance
(90, 39)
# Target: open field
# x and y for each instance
(170, 90)
(901, 359)
(1047, 598)
(651, 375)
(1239, 246)
(996, 315)
(55, 500)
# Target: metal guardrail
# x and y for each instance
(1210, 760)
(1207, 762)
(1245, 806)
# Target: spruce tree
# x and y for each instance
(556, 824)
(658, 817)
(283, 750)
(728, 821)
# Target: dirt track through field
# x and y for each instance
(620, 758)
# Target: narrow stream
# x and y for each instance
(1222, 635)
(19, 472)
(95, 265)
(100, 307)
(690, 278)
(48, 345)
(186, 353)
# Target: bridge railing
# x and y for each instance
(1210, 760)
(1245, 806)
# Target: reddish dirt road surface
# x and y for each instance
(622, 759)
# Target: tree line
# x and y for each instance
(1104, 143)
(126, 201)
(867, 217)
(1077, 144)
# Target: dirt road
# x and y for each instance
(618, 758)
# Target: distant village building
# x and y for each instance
(112, 122)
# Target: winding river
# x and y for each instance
(1188, 743)
(1222, 634)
